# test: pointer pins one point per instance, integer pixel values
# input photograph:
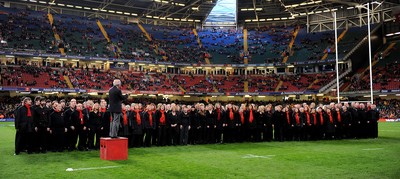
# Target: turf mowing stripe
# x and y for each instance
(91, 168)
(374, 149)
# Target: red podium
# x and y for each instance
(114, 148)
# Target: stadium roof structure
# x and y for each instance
(200, 9)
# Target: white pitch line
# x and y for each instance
(258, 156)
(374, 149)
(91, 168)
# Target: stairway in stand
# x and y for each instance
(56, 36)
(245, 59)
(333, 47)
(200, 45)
(296, 31)
(68, 81)
(279, 86)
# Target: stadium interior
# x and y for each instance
(199, 88)
(191, 50)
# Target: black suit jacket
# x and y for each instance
(22, 122)
(116, 98)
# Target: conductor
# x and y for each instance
(116, 98)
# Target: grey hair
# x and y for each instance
(117, 82)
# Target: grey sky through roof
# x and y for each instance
(224, 11)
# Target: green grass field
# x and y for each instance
(368, 158)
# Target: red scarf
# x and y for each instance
(321, 118)
(81, 116)
(150, 118)
(297, 118)
(315, 118)
(89, 108)
(241, 117)
(308, 118)
(219, 114)
(231, 114)
(287, 117)
(138, 120)
(162, 118)
(330, 118)
(251, 118)
(28, 107)
(103, 110)
(125, 117)
(339, 117)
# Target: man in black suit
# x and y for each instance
(24, 127)
(72, 134)
(116, 98)
(41, 122)
(372, 122)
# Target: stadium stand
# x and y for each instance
(81, 36)
(31, 76)
(385, 74)
(311, 46)
(30, 27)
(269, 44)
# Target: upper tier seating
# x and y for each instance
(269, 44)
(25, 29)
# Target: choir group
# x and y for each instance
(57, 126)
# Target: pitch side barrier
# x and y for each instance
(7, 120)
(66, 90)
(28, 89)
(145, 61)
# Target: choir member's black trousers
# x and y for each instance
(193, 135)
(184, 135)
(347, 131)
(278, 133)
(339, 131)
(210, 134)
(72, 139)
(137, 140)
(94, 138)
(374, 129)
(218, 135)
(162, 135)
(147, 138)
(174, 134)
(267, 133)
(59, 134)
(23, 140)
(41, 139)
(83, 136)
